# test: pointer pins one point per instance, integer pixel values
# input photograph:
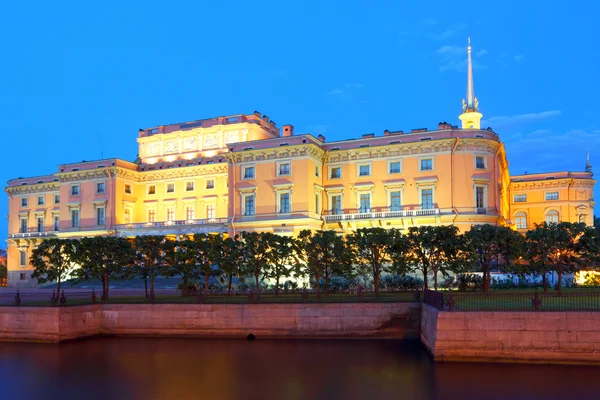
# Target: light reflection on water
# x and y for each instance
(154, 368)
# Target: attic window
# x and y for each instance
(284, 144)
(248, 148)
(335, 148)
(171, 166)
(364, 145)
(154, 130)
(549, 177)
(100, 166)
(24, 183)
(425, 138)
(395, 142)
(479, 136)
(75, 169)
(210, 162)
(55, 179)
(40, 181)
(190, 164)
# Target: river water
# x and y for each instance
(212, 369)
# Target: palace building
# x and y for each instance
(243, 173)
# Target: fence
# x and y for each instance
(41, 298)
(514, 301)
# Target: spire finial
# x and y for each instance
(471, 117)
(588, 164)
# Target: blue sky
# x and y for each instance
(78, 79)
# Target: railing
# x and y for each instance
(166, 224)
(379, 212)
(568, 300)
(72, 297)
(34, 232)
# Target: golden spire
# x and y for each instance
(471, 118)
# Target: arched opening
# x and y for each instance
(521, 220)
(552, 217)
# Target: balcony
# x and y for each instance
(207, 225)
(350, 214)
(34, 233)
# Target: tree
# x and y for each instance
(53, 261)
(231, 259)
(103, 258)
(588, 247)
(538, 250)
(282, 259)
(308, 255)
(3, 271)
(565, 236)
(372, 251)
(597, 222)
(148, 260)
(488, 243)
(204, 255)
(256, 253)
(178, 259)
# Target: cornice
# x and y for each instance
(554, 183)
(275, 153)
(183, 172)
(83, 175)
(35, 188)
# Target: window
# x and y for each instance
(364, 170)
(284, 203)
(284, 169)
(365, 202)
(40, 200)
(56, 223)
(22, 258)
(127, 188)
(151, 215)
(170, 187)
(40, 224)
(520, 198)
(480, 197)
(426, 164)
(480, 162)
(189, 186)
(317, 204)
(22, 276)
(170, 214)
(210, 183)
(248, 172)
(210, 211)
(552, 196)
(57, 199)
(395, 167)
(127, 216)
(100, 216)
(151, 189)
(552, 217)
(317, 171)
(249, 205)
(75, 190)
(335, 172)
(190, 213)
(100, 187)
(336, 204)
(426, 199)
(395, 201)
(24, 223)
(74, 218)
(24, 201)
(521, 220)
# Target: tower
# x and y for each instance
(471, 117)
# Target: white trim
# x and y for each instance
(278, 194)
(420, 199)
(432, 158)
(148, 186)
(278, 165)
(330, 169)
(485, 195)
(244, 195)
(391, 161)
(364, 164)
(390, 190)
(246, 166)
(485, 161)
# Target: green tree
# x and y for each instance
(231, 259)
(588, 248)
(3, 271)
(178, 259)
(148, 258)
(256, 253)
(103, 258)
(487, 243)
(372, 252)
(282, 259)
(538, 251)
(204, 255)
(565, 236)
(310, 257)
(53, 260)
(597, 222)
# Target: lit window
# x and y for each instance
(24, 223)
(56, 223)
(56, 198)
(249, 205)
(40, 224)
(170, 187)
(479, 162)
(210, 183)
(521, 220)
(75, 190)
(552, 196)
(151, 215)
(317, 204)
(189, 186)
(284, 169)
(248, 172)
(426, 164)
(100, 187)
(335, 173)
(22, 258)
(520, 198)
(480, 197)
(74, 218)
(100, 216)
(151, 189)
(365, 202)
(127, 216)
(127, 188)
(24, 201)
(552, 217)
(336, 204)
(210, 211)
(395, 201)
(364, 170)
(395, 167)
(426, 199)
(190, 213)
(170, 214)
(284, 203)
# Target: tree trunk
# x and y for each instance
(184, 287)
(103, 289)
(107, 281)
(435, 281)
(277, 286)
(152, 287)
(326, 284)
(146, 286)
(425, 271)
(206, 275)
(57, 287)
(229, 286)
(376, 283)
(317, 276)
(545, 282)
(257, 287)
(559, 283)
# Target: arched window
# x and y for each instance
(552, 217)
(521, 220)
(582, 218)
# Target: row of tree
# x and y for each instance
(320, 255)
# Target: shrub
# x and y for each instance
(469, 282)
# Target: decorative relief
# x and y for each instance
(152, 148)
(232, 137)
(171, 146)
(211, 141)
(190, 143)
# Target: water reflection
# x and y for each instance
(145, 368)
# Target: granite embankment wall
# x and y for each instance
(397, 320)
(547, 337)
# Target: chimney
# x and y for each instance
(386, 133)
(288, 130)
(321, 138)
(444, 125)
(141, 132)
(368, 135)
(265, 118)
(257, 114)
